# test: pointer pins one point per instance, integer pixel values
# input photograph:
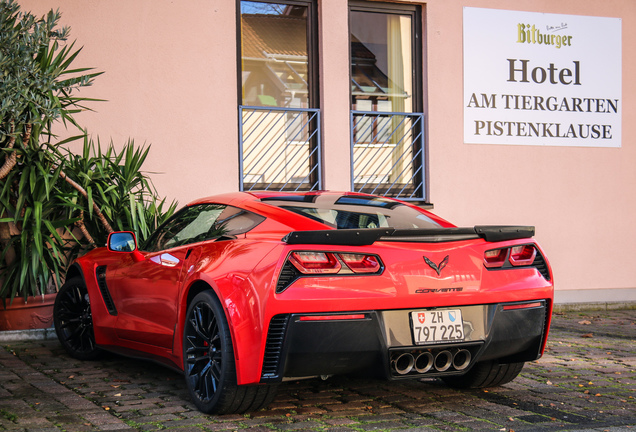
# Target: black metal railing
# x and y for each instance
(280, 149)
(387, 154)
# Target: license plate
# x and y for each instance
(438, 326)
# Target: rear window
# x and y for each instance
(346, 212)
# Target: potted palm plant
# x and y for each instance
(36, 89)
(54, 204)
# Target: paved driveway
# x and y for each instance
(586, 381)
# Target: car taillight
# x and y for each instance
(315, 262)
(517, 256)
(361, 263)
(522, 255)
(495, 258)
(301, 264)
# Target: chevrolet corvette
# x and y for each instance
(242, 291)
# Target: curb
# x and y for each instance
(27, 335)
(594, 306)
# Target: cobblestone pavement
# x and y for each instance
(585, 381)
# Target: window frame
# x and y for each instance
(315, 161)
(418, 74)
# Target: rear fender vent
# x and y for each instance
(541, 265)
(274, 348)
(288, 275)
(100, 274)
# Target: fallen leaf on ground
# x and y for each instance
(585, 322)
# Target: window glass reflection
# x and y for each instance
(274, 55)
(381, 62)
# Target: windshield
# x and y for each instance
(346, 212)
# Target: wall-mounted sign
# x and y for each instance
(541, 79)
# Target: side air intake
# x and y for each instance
(100, 274)
(274, 348)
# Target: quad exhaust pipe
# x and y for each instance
(422, 362)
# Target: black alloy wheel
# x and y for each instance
(209, 365)
(74, 321)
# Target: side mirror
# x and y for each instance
(124, 241)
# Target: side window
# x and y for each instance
(190, 225)
(200, 223)
(237, 221)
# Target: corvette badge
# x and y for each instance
(437, 267)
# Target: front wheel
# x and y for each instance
(209, 365)
(74, 321)
(485, 374)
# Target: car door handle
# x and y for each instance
(165, 259)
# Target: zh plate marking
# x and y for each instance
(437, 326)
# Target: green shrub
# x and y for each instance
(55, 204)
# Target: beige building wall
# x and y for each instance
(171, 82)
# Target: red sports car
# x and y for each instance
(244, 290)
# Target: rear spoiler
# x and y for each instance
(365, 237)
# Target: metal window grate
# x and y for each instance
(387, 154)
(280, 149)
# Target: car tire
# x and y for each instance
(209, 365)
(485, 374)
(73, 320)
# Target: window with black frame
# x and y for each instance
(386, 100)
(279, 136)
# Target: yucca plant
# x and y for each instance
(36, 89)
(34, 254)
(115, 183)
(53, 204)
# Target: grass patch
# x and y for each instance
(8, 415)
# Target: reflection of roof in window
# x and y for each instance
(272, 35)
(370, 202)
(292, 198)
(359, 51)
(366, 77)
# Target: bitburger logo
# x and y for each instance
(530, 34)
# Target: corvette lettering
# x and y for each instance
(437, 290)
